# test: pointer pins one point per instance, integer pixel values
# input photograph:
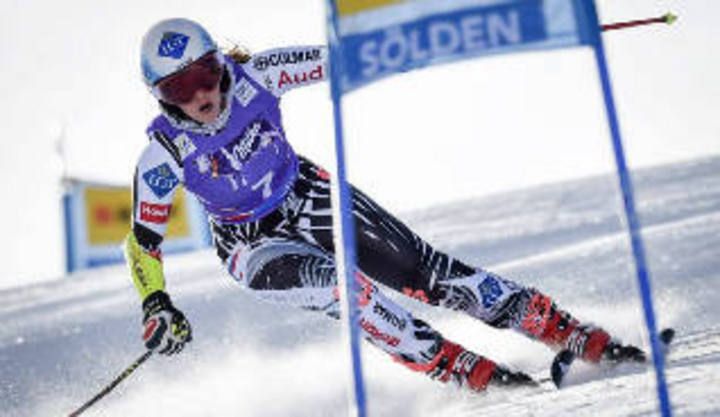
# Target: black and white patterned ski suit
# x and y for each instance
(288, 257)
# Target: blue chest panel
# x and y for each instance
(244, 171)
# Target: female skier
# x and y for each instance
(220, 135)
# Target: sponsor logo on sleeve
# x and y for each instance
(299, 78)
(245, 92)
(263, 62)
(161, 180)
(173, 45)
(154, 213)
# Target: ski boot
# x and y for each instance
(601, 350)
(544, 321)
(464, 368)
(614, 354)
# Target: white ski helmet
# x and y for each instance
(171, 45)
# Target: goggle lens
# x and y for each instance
(180, 88)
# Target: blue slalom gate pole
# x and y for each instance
(633, 226)
(345, 252)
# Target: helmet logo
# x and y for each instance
(173, 45)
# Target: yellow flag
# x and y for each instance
(108, 213)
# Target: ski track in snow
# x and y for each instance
(62, 341)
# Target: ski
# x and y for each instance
(561, 366)
(563, 361)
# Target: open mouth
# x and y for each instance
(206, 108)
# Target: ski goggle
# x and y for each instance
(180, 88)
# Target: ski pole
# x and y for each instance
(105, 391)
(667, 18)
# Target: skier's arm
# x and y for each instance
(157, 178)
(284, 69)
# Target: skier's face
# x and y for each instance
(195, 89)
(205, 105)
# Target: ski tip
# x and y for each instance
(667, 335)
(561, 366)
(670, 18)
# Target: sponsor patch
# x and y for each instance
(230, 158)
(154, 213)
(490, 290)
(184, 145)
(390, 317)
(245, 92)
(161, 180)
(263, 62)
(173, 45)
(150, 327)
(377, 334)
(286, 78)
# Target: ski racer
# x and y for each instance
(220, 136)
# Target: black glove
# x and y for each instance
(166, 328)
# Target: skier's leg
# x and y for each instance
(392, 254)
(419, 347)
(298, 274)
(388, 251)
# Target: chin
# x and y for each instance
(208, 118)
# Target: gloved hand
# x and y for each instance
(166, 328)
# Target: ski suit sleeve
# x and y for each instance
(283, 69)
(157, 178)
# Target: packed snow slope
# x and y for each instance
(61, 342)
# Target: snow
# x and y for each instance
(62, 341)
